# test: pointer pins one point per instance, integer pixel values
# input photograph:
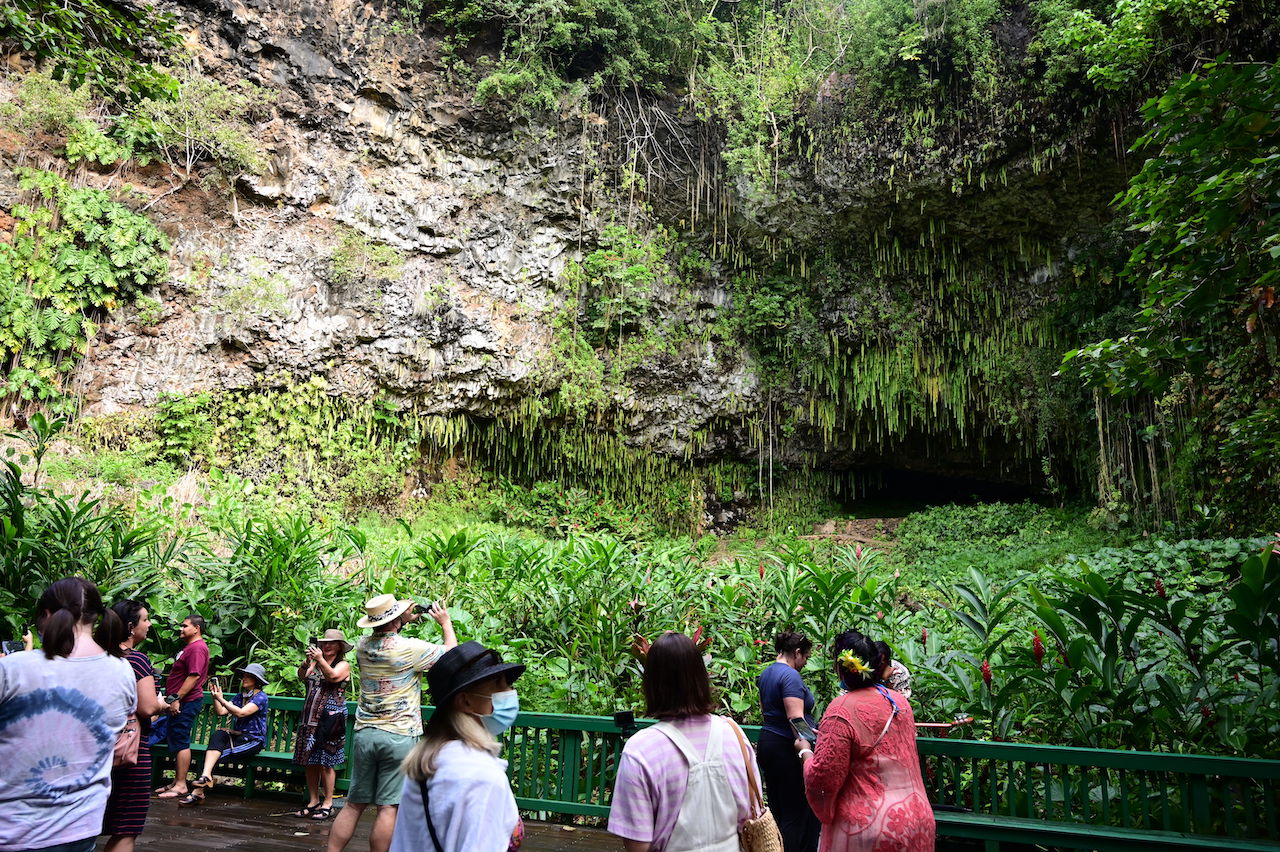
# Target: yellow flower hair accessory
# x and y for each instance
(852, 662)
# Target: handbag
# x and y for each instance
(128, 741)
(331, 726)
(758, 833)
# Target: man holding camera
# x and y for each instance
(388, 715)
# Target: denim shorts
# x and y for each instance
(178, 729)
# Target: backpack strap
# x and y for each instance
(431, 826)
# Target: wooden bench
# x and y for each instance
(273, 763)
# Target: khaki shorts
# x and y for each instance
(376, 778)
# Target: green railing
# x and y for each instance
(1099, 789)
(1052, 795)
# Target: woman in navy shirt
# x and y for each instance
(783, 696)
(248, 733)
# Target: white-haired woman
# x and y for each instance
(456, 797)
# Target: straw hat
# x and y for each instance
(380, 610)
(467, 664)
(333, 634)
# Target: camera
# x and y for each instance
(625, 721)
(12, 646)
(425, 609)
(313, 641)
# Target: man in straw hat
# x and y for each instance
(388, 718)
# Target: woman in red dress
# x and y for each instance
(863, 779)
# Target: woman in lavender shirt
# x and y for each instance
(654, 806)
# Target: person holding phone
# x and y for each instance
(322, 736)
(388, 713)
(247, 734)
(783, 698)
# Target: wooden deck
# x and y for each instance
(227, 822)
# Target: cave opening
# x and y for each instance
(895, 492)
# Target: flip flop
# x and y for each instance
(166, 788)
(322, 813)
(174, 794)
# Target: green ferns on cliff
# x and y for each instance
(75, 251)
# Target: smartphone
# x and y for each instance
(803, 731)
(12, 646)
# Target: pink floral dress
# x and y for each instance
(869, 795)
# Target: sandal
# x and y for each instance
(192, 799)
(305, 812)
(174, 794)
(322, 813)
(166, 788)
(204, 782)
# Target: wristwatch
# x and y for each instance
(169, 699)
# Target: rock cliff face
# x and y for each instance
(367, 139)
(369, 143)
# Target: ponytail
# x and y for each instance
(67, 603)
(111, 632)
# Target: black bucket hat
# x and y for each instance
(467, 664)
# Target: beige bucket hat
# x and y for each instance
(333, 634)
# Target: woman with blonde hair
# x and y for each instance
(456, 797)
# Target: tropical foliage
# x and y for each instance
(1159, 645)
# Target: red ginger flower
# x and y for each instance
(924, 635)
(1037, 648)
(1160, 592)
(986, 672)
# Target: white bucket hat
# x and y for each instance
(380, 610)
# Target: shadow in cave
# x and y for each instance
(894, 492)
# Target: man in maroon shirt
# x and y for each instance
(185, 696)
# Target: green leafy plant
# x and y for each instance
(206, 122)
(92, 40)
(357, 257)
(76, 252)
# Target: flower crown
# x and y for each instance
(851, 662)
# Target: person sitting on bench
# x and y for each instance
(248, 733)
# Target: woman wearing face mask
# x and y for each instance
(456, 796)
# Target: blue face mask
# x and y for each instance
(506, 705)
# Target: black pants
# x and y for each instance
(783, 778)
(222, 740)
